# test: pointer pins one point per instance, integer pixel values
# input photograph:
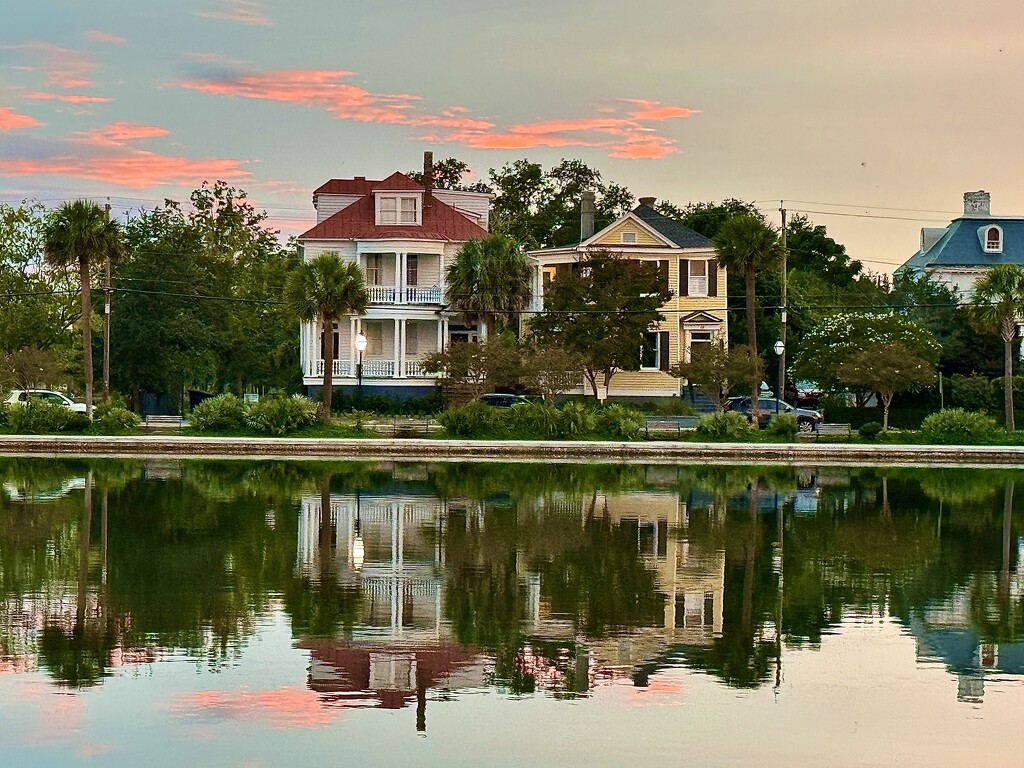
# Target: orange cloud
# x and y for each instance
(135, 169)
(120, 133)
(328, 90)
(289, 707)
(106, 38)
(239, 12)
(12, 121)
(66, 98)
(64, 67)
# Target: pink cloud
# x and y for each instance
(64, 68)
(120, 133)
(239, 12)
(107, 38)
(623, 128)
(66, 98)
(12, 121)
(135, 169)
(289, 707)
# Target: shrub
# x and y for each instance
(957, 426)
(532, 420)
(4, 415)
(724, 425)
(973, 393)
(783, 425)
(577, 420)
(224, 413)
(472, 420)
(344, 400)
(870, 430)
(114, 419)
(37, 418)
(621, 423)
(280, 415)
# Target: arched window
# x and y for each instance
(993, 239)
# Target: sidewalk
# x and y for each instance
(156, 446)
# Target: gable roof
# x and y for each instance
(358, 222)
(679, 234)
(961, 246)
(362, 186)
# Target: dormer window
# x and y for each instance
(628, 238)
(993, 240)
(398, 209)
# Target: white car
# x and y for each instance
(46, 396)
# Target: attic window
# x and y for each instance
(398, 209)
(628, 238)
(993, 240)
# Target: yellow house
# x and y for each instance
(696, 313)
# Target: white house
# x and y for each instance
(403, 236)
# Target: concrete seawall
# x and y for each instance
(152, 446)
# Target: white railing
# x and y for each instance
(341, 368)
(418, 295)
(378, 369)
(414, 370)
(373, 369)
(382, 294)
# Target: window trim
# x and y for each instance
(690, 276)
(985, 242)
(624, 241)
(412, 269)
(398, 198)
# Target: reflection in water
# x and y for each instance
(408, 584)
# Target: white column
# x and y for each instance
(397, 339)
(401, 348)
(440, 277)
(440, 335)
(352, 354)
(481, 330)
(400, 262)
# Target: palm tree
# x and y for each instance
(749, 245)
(995, 305)
(81, 232)
(326, 289)
(488, 278)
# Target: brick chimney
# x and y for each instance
(648, 201)
(588, 211)
(977, 203)
(428, 179)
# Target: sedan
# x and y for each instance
(806, 420)
(45, 396)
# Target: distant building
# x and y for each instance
(960, 254)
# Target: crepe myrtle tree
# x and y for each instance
(715, 370)
(888, 369)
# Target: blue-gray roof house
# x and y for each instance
(960, 254)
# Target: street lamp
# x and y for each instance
(360, 348)
(780, 350)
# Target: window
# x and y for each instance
(412, 339)
(698, 277)
(373, 330)
(412, 269)
(993, 240)
(628, 238)
(335, 343)
(654, 356)
(398, 209)
(375, 269)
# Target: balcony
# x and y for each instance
(389, 294)
(373, 369)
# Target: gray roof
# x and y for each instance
(682, 236)
(961, 246)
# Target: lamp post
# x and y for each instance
(360, 348)
(780, 350)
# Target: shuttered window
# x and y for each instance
(655, 356)
(698, 277)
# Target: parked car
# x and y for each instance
(806, 419)
(807, 395)
(503, 400)
(44, 395)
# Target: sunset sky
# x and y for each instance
(873, 115)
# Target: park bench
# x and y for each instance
(668, 426)
(832, 430)
(162, 424)
(403, 427)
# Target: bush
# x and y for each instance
(577, 420)
(532, 420)
(224, 413)
(280, 415)
(783, 425)
(36, 418)
(870, 430)
(472, 420)
(620, 423)
(724, 425)
(343, 400)
(956, 426)
(114, 419)
(4, 415)
(973, 393)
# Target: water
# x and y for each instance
(221, 614)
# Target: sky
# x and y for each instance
(872, 116)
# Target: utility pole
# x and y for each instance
(106, 325)
(780, 394)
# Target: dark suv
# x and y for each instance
(806, 420)
(502, 400)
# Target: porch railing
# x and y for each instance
(374, 369)
(389, 294)
(425, 295)
(382, 294)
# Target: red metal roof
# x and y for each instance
(358, 221)
(363, 186)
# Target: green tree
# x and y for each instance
(604, 312)
(887, 369)
(477, 366)
(549, 370)
(747, 245)
(810, 249)
(81, 232)
(996, 303)
(489, 278)
(451, 173)
(715, 370)
(326, 289)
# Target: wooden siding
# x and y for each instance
(613, 237)
(344, 248)
(328, 205)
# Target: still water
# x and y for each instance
(260, 614)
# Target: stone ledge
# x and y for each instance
(154, 446)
